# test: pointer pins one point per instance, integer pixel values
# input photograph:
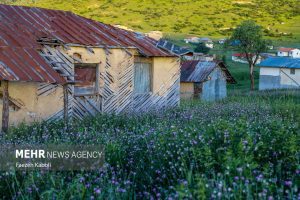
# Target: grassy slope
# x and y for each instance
(200, 17)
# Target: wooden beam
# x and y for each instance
(66, 107)
(5, 108)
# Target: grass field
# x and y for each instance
(213, 18)
(245, 147)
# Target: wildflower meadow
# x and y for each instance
(244, 147)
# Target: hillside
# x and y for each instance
(215, 18)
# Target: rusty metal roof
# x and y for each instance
(25, 64)
(187, 68)
(22, 27)
(197, 71)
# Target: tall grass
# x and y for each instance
(243, 147)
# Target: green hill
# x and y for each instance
(215, 18)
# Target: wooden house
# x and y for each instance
(55, 65)
(204, 79)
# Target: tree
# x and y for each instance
(202, 48)
(251, 43)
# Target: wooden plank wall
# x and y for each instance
(117, 94)
(78, 107)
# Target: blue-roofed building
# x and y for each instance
(279, 73)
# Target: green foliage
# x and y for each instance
(202, 48)
(244, 147)
(201, 17)
(250, 39)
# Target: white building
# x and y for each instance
(193, 40)
(288, 52)
(295, 53)
(279, 73)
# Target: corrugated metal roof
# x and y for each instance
(25, 64)
(187, 67)
(21, 28)
(281, 62)
(198, 71)
(169, 46)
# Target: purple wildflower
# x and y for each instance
(97, 190)
(81, 179)
(259, 178)
(288, 183)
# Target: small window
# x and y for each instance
(293, 71)
(86, 79)
(142, 77)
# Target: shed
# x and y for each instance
(206, 80)
(55, 65)
(279, 72)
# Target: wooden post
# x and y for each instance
(66, 101)
(5, 108)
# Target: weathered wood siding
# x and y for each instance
(115, 77)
